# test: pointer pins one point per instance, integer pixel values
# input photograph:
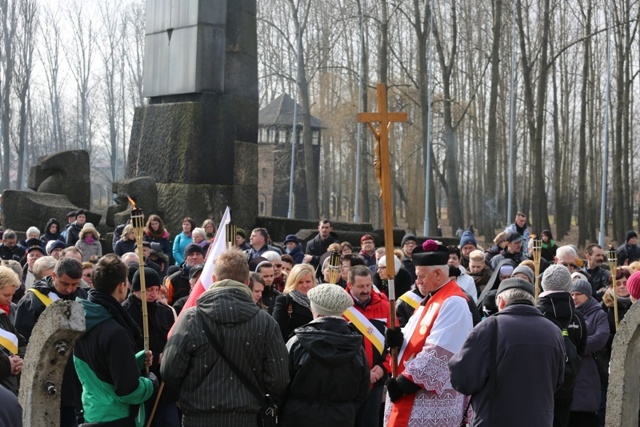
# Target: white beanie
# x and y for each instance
(329, 300)
(396, 263)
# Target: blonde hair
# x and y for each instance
(477, 256)
(298, 272)
(125, 232)
(634, 266)
(8, 277)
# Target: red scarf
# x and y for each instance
(6, 308)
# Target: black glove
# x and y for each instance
(154, 380)
(400, 386)
(394, 338)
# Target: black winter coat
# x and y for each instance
(560, 309)
(529, 361)
(288, 322)
(329, 375)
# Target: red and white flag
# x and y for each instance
(205, 281)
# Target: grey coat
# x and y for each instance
(210, 394)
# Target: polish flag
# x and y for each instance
(205, 281)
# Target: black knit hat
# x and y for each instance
(151, 278)
(630, 234)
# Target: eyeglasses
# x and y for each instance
(569, 265)
(86, 274)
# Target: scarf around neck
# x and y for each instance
(300, 298)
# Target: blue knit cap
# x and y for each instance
(466, 238)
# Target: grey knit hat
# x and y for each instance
(556, 278)
(582, 286)
(524, 270)
(329, 300)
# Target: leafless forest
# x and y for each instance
(561, 74)
(71, 75)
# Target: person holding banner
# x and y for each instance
(369, 315)
(421, 394)
(12, 344)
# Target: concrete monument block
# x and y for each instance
(51, 344)
(22, 209)
(142, 190)
(624, 381)
(199, 130)
(66, 172)
(205, 201)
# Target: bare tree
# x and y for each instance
(80, 57)
(25, 46)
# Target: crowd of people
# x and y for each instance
(308, 327)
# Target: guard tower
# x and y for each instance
(275, 128)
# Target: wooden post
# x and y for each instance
(382, 165)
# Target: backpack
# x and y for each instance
(572, 361)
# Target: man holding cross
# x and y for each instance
(422, 394)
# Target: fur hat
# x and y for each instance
(466, 238)
(501, 237)
(582, 286)
(556, 278)
(633, 285)
(329, 300)
(89, 228)
(151, 278)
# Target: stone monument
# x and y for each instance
(623, 395)
(197, 138)
(61, 183)
(50, 345)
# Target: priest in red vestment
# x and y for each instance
(421, 395)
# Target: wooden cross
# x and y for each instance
(382, 165)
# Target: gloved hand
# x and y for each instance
(154, 380)
(400, 386)
(394, 338)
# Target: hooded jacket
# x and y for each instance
(560, 309)
(46, 236)
(210, 393)
(329, 375)
(108, 367)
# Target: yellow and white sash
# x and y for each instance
(45, 299)
(9, 341)
(412, 299)
(365, 327)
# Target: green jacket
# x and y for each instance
(109, 369)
